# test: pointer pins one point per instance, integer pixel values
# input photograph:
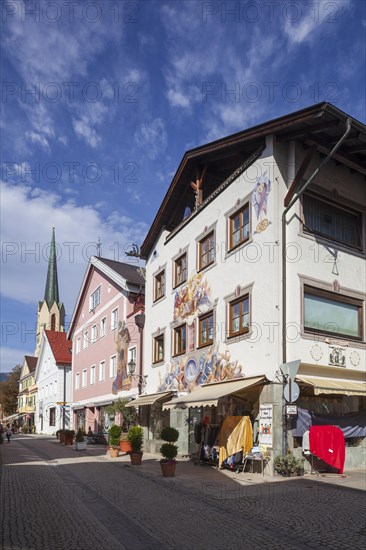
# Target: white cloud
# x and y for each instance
(10, 357)
(46, 52)
(25, 244)
(34, 137)
(83, 130)
(319, 16)
(152, 137)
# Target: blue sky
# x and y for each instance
(101, 99)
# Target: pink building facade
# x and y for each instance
(105, 340)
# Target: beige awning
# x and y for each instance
(151, 398)
(331, 386)
(208, 396)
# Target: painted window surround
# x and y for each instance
(247, 289)
(199, 239)
(323, 193)
(347, 293)
(240, 203)
(176, 256)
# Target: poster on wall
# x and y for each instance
(265, 425)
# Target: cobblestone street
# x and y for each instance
(53, 497)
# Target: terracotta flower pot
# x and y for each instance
(125, 446)
(168, 468)
(113, 452)
(136, 458)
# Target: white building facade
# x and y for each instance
(53, 378)
(222, 307)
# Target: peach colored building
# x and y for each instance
(106, 339)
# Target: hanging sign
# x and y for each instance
(265, 425)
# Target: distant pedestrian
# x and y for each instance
(8, 434)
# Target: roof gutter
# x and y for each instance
(284, 266)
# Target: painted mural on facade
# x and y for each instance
(193, 299)
(260, 202)
(187, 372)
(123, 379)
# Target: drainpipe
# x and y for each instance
(284, 266)
(63, 407)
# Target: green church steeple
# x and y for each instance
(51, 312)
(51, 291)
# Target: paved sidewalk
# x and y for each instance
(54, 497)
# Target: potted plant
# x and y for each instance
(288, 465)
(136, 437)
(69, 437)
(169, 451)
(124, 444)
(80, 441)
(114, 433)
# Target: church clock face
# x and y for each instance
(191, 371)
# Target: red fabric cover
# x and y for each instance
(327, 443)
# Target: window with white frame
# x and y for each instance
(94, 299)
(113, 367)
(132, 355)
(85, 339)
(92, 374)
(78, 344)
(102, 371)
(103, 326)
(94, 334)
(83, 379)
(77, 380)
(114, 319)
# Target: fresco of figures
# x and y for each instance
(260, 202)
(187, 372)
(123, 379)
(193, 299)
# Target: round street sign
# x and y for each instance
(295, 392)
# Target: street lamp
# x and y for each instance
(142, 379)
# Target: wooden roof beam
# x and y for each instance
(299, 175)
(340, 155)
(295, 134)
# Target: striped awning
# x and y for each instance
(333, 386)
(151, 398)
(208, 396)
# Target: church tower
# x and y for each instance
(51, 312)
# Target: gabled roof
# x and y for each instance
(129, 272)
(60, 346)
(319, 126)
(31, 362)
(28, 367)
(127, 277)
